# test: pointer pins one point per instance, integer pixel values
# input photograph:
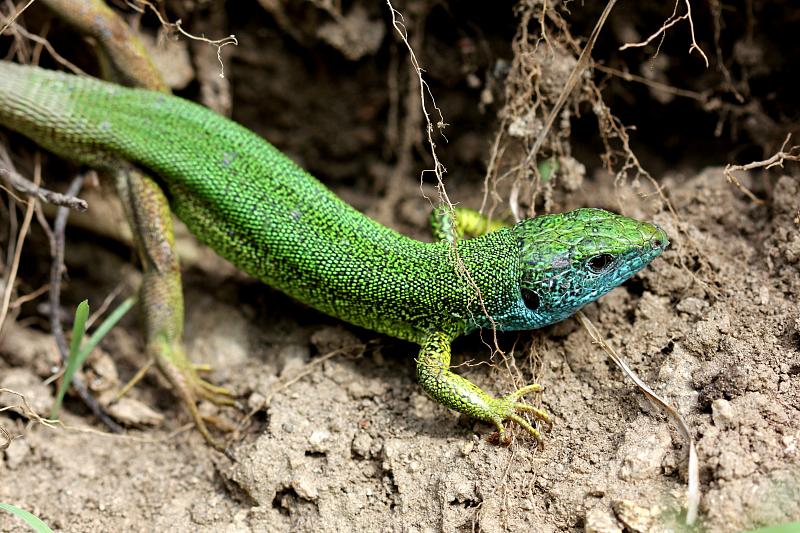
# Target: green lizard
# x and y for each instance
(255, 207)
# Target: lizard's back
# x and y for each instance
(251, 203)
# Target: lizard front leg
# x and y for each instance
(461, 222)
(148, 213)
(460, 394)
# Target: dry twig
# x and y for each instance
(42, 42)
(424, 93)
(572, 81)
(141, 5)
(793, 154)
(662, 31)
(51, 197)
(657, 85)
(10, 20)
(693, 492)
(23, 231)
(23, 408)
(438, 168)
(25, 298)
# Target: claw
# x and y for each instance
(507, 408)
(541, 414)
(202, 368)
(517, 394)
(213, 393)
(219, 423)
(527, 427)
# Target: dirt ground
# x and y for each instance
(340, 437)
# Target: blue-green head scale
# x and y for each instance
(568, 260)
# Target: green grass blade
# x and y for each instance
(103, 329)
(78, 331)
(78, 354)
(32, 520)
(793, 527)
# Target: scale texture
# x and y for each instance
(254, 206)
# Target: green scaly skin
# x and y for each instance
(255, 207)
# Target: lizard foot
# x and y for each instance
(203, 389)
(190, 388)
(508, 408)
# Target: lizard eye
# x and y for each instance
(531, 299)
(600, 262)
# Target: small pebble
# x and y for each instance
(722, 413)
(320, 441)
(362, 443)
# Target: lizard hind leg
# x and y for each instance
(148, 213)
(125, 60)
(460, 394)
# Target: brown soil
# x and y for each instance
(347, 440)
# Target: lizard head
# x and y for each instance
(570, 259)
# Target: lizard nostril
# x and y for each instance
(658, 243)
